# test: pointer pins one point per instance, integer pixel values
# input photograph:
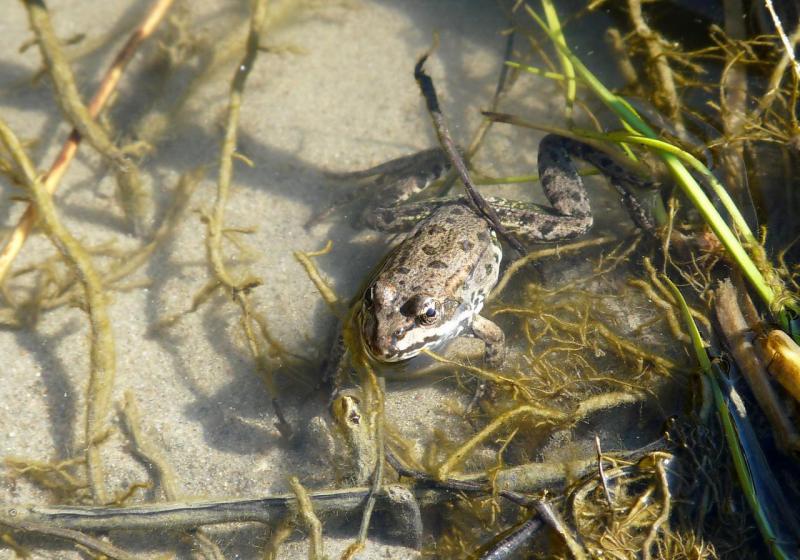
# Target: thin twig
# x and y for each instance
(77, 537)
(774, 84)
(60, 165)
(787, 44)
(429, 92)
(602, 474)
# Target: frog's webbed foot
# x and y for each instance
(398, 167)
(389, 183)
(493, 338)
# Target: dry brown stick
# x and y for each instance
(739, 337)
(112, 76)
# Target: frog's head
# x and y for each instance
(396, 327)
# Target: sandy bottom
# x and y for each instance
(335, 92)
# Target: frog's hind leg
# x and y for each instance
(395, 219)
(564, 187)
(560, 180)
(389, 183)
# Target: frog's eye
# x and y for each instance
(429, 314)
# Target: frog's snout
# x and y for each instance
(383, 343)
(385, 347)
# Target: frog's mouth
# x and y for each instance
(387, 352)
(404, 348)
(387, 347)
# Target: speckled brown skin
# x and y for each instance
(431, 288)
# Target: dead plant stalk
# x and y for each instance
(103, 361)
(59, 167)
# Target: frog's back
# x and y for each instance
(432, 286)
(451, 254)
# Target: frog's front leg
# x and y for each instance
(493, 338)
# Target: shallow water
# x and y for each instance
(335, 93)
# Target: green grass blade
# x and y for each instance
(566, 64)
(746, 453)
(687, 183)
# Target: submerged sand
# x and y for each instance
(335, 92)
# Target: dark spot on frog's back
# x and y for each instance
(489, 269)
(466, 245)
(437, 264)
(457, 211)
(450, 220)
(435, 229)
(483, 236)
(429, 249)
(402, 270)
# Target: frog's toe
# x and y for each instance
(494, 339)
(494, 355)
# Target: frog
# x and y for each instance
(432, 286)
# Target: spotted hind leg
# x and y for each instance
(564, 187)
(570, 214)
